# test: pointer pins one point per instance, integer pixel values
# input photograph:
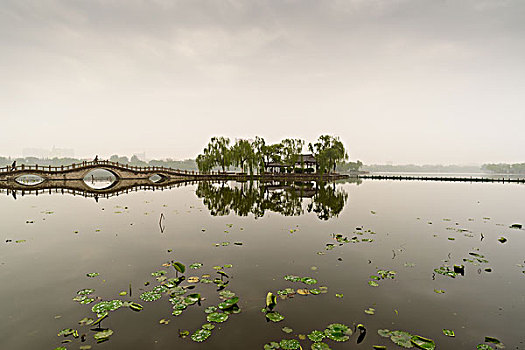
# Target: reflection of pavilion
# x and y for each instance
(306, 162)
(285, 198)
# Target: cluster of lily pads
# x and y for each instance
(336, 332)
(406, 340)
(381, 274)
(167, 286)
(339, 238)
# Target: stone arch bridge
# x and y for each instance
(126, 175)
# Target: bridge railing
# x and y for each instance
(86, 164)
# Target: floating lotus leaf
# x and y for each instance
(423, 343)
(177, 291)
(200, 335)
(150, 296)
(193, 279)
(205, 280)
(386, 274)
(287, 330)
(484, 347)
(192, 298)
(217, 267)
(61, 348)
(338, 332)
(160, 289)
(446, 271)
(233, 310)
(274, 316)
(339, 295)
(67, 332)
(106, 306)
(208, 326)
(87, 301)
(179, 267)
(316, 336)
(228, 266)
(289, 344)
(176, 312)
(292, 278)
(315, 291)
(196, 266)
(159, 273)
(226, 294)
(374, 277)
(401, 338)
(373, 284)
(384, 333)
(85, 291)
(104, 335)
(286, 292)
(217, 317)
(210, 309)
(320, 346)
(303, 291)
(228, 303)
(449, 333)
(161, 278)
(370, 311)
(92, 274)
(80, 298)
(271, 346)
(308, 280)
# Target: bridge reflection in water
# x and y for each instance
(326, 200)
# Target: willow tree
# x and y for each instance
(219, 152)
(328, 151)
(242, 154)
(290, 151)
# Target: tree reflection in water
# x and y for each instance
(288, 199)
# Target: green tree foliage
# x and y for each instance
(349, 167)
(219, 151)
(291, 149)
(242, 154)
(328, 151)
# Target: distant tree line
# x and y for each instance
(504, 168)
(254, 156)
(427, 168)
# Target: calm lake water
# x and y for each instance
(50, 242)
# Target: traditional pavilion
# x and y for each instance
(305, 161)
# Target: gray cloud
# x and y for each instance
(407, 81)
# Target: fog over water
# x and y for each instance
(402, 81)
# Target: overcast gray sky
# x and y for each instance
(423, 81)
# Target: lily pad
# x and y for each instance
(373, 284)
(92, 274)
(292, 278)
(150, 296)
(449, 333)
(308, 280)
(271, 346)
(226, 294)
(217, 317)
(192, 298)
(200, 335)
(228, 303)
(208, 326)
(274, 316)
(423, 343)
(210, 309)
(316, 336)
(103, 335)
(385, 333)
(180, 267)
(195, 266)
(338, 332)
(320, 346)
(106, 306)
(135, 306)
(67, 332)
(85, 291)
(290, 344)
(287, 330)
(401, 338)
